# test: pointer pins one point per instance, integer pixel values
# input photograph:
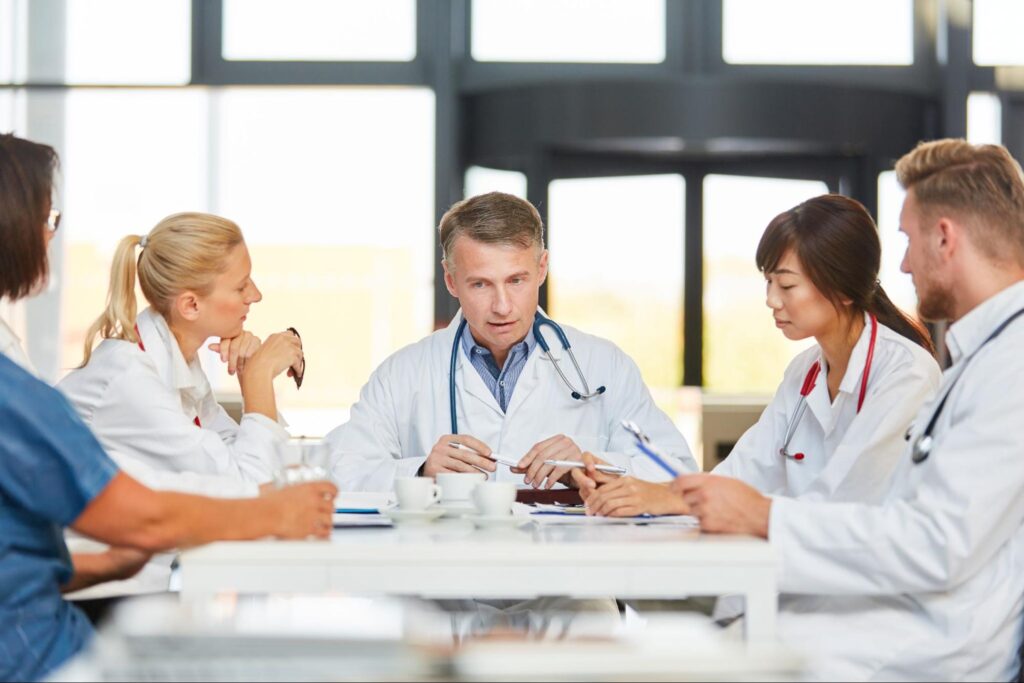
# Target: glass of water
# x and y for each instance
(303, 460)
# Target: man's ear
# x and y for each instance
(543, 263)
(948, 237)
(449, 279)
(186, 305)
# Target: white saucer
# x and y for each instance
(491, 521)
(459, 509)
(399, 515)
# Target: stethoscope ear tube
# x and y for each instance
(539, 321)
(922, 447)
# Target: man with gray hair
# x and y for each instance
(485, 394)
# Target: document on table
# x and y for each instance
(356, 502)
(551, 518)
(349, 520)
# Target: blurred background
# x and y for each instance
(657, 137)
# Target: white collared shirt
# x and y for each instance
(142, 406)
(10, 346)
(848, 455)
(928, 584)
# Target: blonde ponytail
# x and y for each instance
(184, 252)
(118, 318)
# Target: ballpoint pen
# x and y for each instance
(643, 442)
(577, 465)
(508, 462)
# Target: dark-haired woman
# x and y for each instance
(835, 428)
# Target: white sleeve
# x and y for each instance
(955, 511)
(631, 400)
(210, 485)
(366, 450)
(755, 458)
(139, 415)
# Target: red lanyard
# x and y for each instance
(143, 347)
(812, 375)
(811, 379)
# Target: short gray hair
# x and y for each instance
(492, 218)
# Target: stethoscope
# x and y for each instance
(922, 447)
(539, 321)
(811, 379)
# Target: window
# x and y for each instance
(13, 30)
(129, 159)
(997, 32)
(984, 118)
(631, 31)
(125, 41)
(320, 30)
(480, 180)
(617, 266)
(818, 32)
(743, 351)
(896, 283)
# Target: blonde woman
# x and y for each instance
(143, 391)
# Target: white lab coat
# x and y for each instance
(849, 456)
(10, 346)
(141, 405)
(928, 584)
(404, 409)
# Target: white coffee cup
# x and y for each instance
(456, 487)
(416, 493)
(494, 498)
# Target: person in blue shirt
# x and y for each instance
(54, 474)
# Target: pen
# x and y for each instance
(576, 465)
(643, 442)
(657, 459)
(493, 456)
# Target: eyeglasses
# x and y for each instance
(53, 220)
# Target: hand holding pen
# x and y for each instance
(458, 453)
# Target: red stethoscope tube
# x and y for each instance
(812, 378)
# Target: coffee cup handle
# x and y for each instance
(436, 493)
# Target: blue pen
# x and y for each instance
(648, 449)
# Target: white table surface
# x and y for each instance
(452, 559)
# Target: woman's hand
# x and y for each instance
(629, 497)
(235, 351)
(279, 352)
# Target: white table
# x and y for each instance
(452, 559)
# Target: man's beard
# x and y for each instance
(935, 302)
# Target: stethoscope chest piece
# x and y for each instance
(922, 448)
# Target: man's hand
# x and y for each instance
(724, 505)
(587, 480)
(125, 562)
(629, 497)
(472, 457)
(302, 510)
(532, 464)
(113, 564)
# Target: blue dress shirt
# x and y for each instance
(500, 381)
(51, 467)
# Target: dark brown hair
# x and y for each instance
(26, 181)
(494, 218)
(836, 241)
